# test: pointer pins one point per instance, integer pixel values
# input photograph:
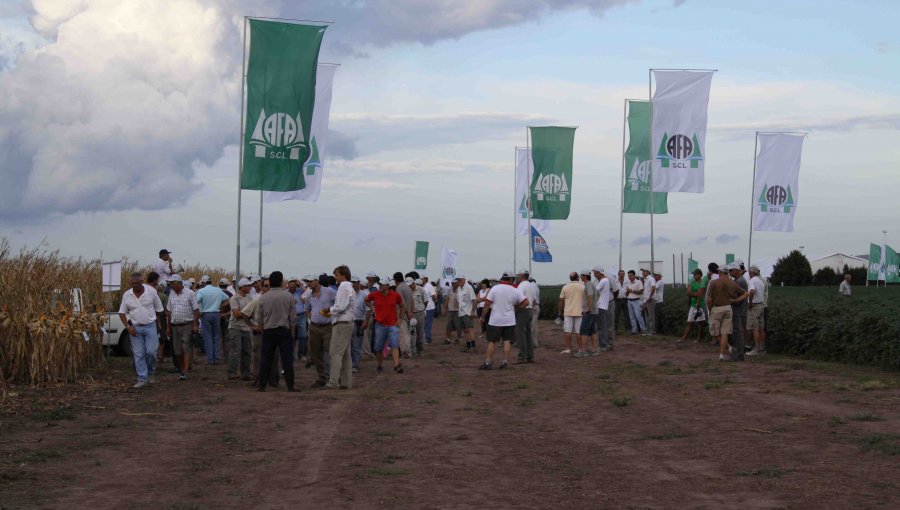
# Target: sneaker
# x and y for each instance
(379, 370)
(730, 350)
(723, 357)
(596, 353)
(756, 353)
(610, 348)
(580, 354)
(182, 377)
(485, 366)
(152, 379)
(566, 351)
(355, 370)
(140, 384)
(447, 342)
(504, 364)
(398, 369)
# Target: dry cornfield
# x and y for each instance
(42, 338)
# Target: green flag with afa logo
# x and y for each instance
(876, 272)
(729, 258)
(421, 254)
(636, 195)
(551, 181)
(281, 93)
(892, 261)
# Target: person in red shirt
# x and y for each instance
(386, 303)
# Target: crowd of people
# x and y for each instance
(332, 321)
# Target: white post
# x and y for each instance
(622, 186)
(237, 258)
(752, 193)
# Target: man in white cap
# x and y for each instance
(240, 334)
(420, 301)
(465, 298)
(720, 295)
(387, 303)
(588, 314)
(634, 289)
(163, 267)
(524, 319)
(604, 302)
(183, 314)
(430, 307)
(403, 289)
(501, 304)
(359, 317)
(570, 300)
(211, 299)
(739, 314)
(756, 315)
(297, 287)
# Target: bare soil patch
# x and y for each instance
(653, 424)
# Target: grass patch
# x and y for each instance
(526, 402)
(834, 421)
(467, 393)
(387, 471)
(605, 389)
(866, 417)
(390, 459)
(57, 414)
(888, 444)
(766, 472)
(872, 384)
(667, 436)
(806, 385)
(717, 384)
(406, 390)
(432, 401)
(665, 363)
(521, 386)
(622, 401)
(385, 433)
(402, 416)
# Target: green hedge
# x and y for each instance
(813, 322)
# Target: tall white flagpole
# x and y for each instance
(528, 198)
(261, 230)
(650, 161)
(237, 258)
(515, 206)
(752, 193)
(622, 186)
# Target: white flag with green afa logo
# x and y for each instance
(776, 190)
(281, 92)
(679, 130)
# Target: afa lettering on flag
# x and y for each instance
(776, 188)
(281, 91)
(551, 179)
(876, 267)
(540, 252)
(522, 203)
(421, 255)
(679, 130)
(315, 165)
(892, 265)
(636, 195)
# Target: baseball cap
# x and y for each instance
(408, 280)
(524, 270)
(294, 279)
(599, 269)
(645, 269)
(418, 281)
(726, 267)
(192, 280)
(206, 279)
(585, 272)
(755, 269)
(461, 276)
(175, 278)
(354, 279)
(244, 282)
(508, 274)
(223, 281)
(164, 252)
(308, 278)
(371, 274)
(386, 281)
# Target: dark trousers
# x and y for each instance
(278, 338)
(738, 323)
(524, 339)
(622, 311)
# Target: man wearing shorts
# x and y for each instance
(503, 301)
(739, 314)
(697, 313)
(570, 300)
(756, 316)
(453, 322)
(386, 303)
(465, 298)
(721, 294)
(183, 317)
(588, 315)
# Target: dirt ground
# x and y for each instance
(653, 424)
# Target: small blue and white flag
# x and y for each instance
(540, 252)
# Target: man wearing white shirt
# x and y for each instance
(502, 302)
(634, 289)
(465, 297)
(139, 309)
(524, 319)
(648, 301)
(615, 291)
(430, 293)
(756, 315)
(658, 297)
(604, 302)
(342, 315)
(163, 267)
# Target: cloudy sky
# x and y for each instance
(119, 121)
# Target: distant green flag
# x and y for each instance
(876, 272)
(892, 261)
(281, 93)
(692, 264)
(551, 182)
(421, 254)
(637, 164)
(729, 258)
